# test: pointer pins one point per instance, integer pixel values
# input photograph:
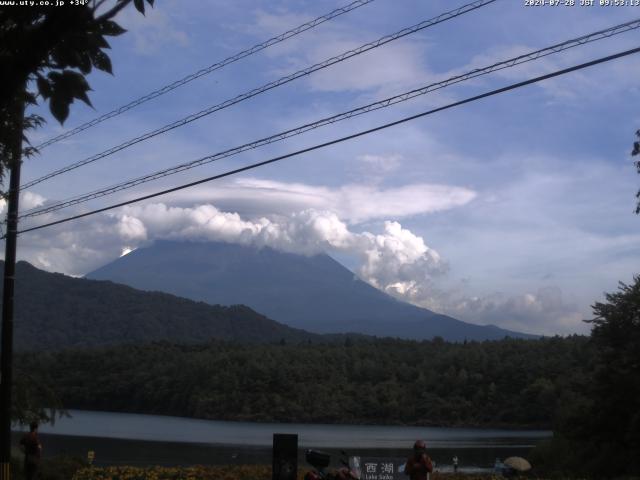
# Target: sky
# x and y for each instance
(515, 210)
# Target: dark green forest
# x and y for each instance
(505, 383)
(54, 312)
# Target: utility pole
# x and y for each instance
(6, 359)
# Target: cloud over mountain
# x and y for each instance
(354, 203)
(390, 257)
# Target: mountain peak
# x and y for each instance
(315, 293)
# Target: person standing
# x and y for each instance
(32, 448)
(455, 464)
(419, 465)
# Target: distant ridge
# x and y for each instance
(314, 293)
(54, 311)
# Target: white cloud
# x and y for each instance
(545, 311)
(152, 32)
(377, 167)
(616, 78)
(276, 23)
(395, 255)
(392, 256)
(27, 201)
(354, 203)
(399, 63)
(399, 261)
(395, 66)
(131, 228)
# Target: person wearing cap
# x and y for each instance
(32, 448)
(419, 465)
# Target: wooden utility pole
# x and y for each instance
(6, 359)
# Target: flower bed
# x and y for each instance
(231, 472)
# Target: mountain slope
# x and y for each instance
(313, 293)
(54, 311)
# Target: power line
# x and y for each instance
(256, 91)
(207, 70)
(343, 139)
(339, 117)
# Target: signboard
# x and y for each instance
(378, 468)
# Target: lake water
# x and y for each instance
(119, 438)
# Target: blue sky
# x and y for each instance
(515, 210)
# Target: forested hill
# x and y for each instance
(499, 383)
(54, 311)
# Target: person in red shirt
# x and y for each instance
(32, 448)
(419, 465)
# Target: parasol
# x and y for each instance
(518, 463)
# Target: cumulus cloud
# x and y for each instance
(27, 201)
(388, 259)
(392, 257)
(544, 311)
(130, 228)
(399, 261)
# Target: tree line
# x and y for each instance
(498, 383)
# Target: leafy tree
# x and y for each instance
(614, 419)
(634, 152)
(46, 52)
(598, 422)
(34, 398)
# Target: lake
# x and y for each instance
(120, 438)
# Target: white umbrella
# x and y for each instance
(518, 463)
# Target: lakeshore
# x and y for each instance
(150, 440)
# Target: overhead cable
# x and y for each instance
(342, 139)
(257, 91)
(207, 70)
(531, 56)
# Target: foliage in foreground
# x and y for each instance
(54, 468)
(599, 436)
(252, 472)
(70, 468)
(242, 472)
(46, 52)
